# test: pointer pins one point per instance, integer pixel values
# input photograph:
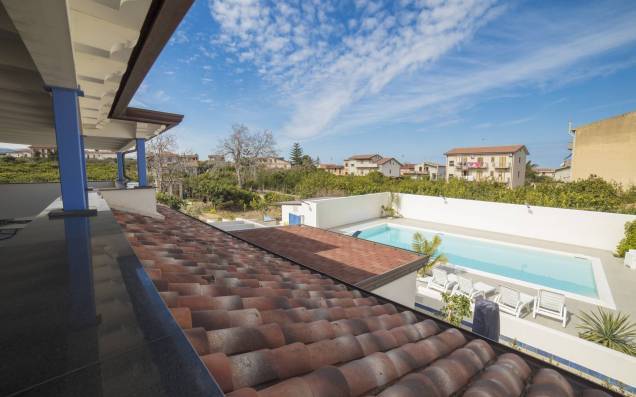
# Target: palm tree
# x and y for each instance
(613, 330)
(428, 248)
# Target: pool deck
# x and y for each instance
(621, 280)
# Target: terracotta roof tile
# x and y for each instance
(265, 326)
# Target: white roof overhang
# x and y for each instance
(88, 44)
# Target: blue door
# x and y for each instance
(294, 219)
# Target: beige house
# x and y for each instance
(273, 163)
(606, 148)
(363, 164)
(335, 169)
(505, 164)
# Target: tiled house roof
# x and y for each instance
(264, 326)
(487, 150)
(345, 258)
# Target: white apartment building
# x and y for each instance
(363, 164)
(505, 164)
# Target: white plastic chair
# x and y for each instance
(467, 288)
(512, 301)
(551, 304)
(440, 281)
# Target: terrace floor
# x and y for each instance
(621, 280)
(348, 259)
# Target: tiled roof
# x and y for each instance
(362, 156)
(346, 258)
(386, 160)
(330, 166)
(265, 326)
(487, 150)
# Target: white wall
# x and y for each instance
(338, 211)
(138, 201)
(401, 290)
(585, 228)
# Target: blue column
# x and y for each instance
(141, 161)
(121, 164)
(69, 148)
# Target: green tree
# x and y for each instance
(296, 155)
(613, 330)
(429, 249)
(629, 241)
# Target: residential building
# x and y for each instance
(408, 170)
(216, 159)
(96, 154)
(273, 163)
(606, 148)
(335, 169)
(20, 153)
(564, 172)
(543, 171)
(43, 151)
(506, 164)
(187, 162)
(431, 170)
(363, 164)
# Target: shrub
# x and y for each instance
(629, 241)
(455, 308)
(612, 330)
(173, 202)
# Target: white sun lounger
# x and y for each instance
(551, 304)
(467, 288)
(440, 281)
(512, 301)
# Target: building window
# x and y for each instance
(492, 159)
(518, 174)
(519, 160)
(451, 163)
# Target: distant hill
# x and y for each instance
(6, 150)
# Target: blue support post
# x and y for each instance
(69, 148)
(141, 161)
(121, 164)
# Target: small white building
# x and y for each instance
(363, 164)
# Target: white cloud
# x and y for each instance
(306, 51)
(382, 63)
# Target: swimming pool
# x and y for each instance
(568, 273)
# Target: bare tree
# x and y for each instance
(167, 167)
(243, 148)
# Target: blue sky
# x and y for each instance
(409, 79)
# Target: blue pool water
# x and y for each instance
(559, 271)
